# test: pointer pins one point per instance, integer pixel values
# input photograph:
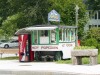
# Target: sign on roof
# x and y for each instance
(53, 16)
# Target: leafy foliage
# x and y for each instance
(10, 25)
(31, 12)
(92, 38)
(91, 42)
(66, 8)
(93, 4)
(84, 47)
(94, 33)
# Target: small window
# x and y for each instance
(60, 34)
(69, 35)
(98, 14)
(90, 14)
(43, 33)
(35, 37)
(89, 26)
(64, 34)
(72, 34)
(53, 36)
(95, 14)
(43, 37)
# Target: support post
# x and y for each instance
(76, 19)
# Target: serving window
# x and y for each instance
(44, 37)
(53, 37)
(67, 35)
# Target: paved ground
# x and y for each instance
(14, 67)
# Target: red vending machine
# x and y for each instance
(25, 51)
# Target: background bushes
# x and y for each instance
(92, 38)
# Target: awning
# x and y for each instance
(28, 30)
(40, 28)
(67, 26)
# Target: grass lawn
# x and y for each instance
(84, 60)
(10, 58)
(68, 61)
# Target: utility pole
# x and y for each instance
(76, 20)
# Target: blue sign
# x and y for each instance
(53, 16)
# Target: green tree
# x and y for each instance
(10, 25)
(94, 33)
(93, 4)
(66, 8)
(92, 38)
(31, 12)
(17, 14)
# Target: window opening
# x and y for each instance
(60, 35)
(64, 33)
(69, 37)
(53, 36)
(35, 37)
(95, 14)
(72, 34)
(98, 14)
(44, 37)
